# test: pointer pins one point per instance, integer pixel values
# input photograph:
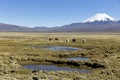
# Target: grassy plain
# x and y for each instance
(16, 48)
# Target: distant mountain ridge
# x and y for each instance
(97, 23)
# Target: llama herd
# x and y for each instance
(67, 40)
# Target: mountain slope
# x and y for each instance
(98, 22)
(10, 27)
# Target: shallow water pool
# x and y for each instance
(55, 68)
(56, 47)
(78, 58)
(61, 48)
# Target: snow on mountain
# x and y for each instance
(99, 17)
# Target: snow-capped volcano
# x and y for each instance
(99, 17)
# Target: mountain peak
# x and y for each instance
(99, 17)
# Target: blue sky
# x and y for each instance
(54, 12)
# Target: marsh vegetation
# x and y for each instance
(18, 49)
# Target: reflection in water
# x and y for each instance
(78, 58)
(55, 68)
(61, 48)
(56, 47)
